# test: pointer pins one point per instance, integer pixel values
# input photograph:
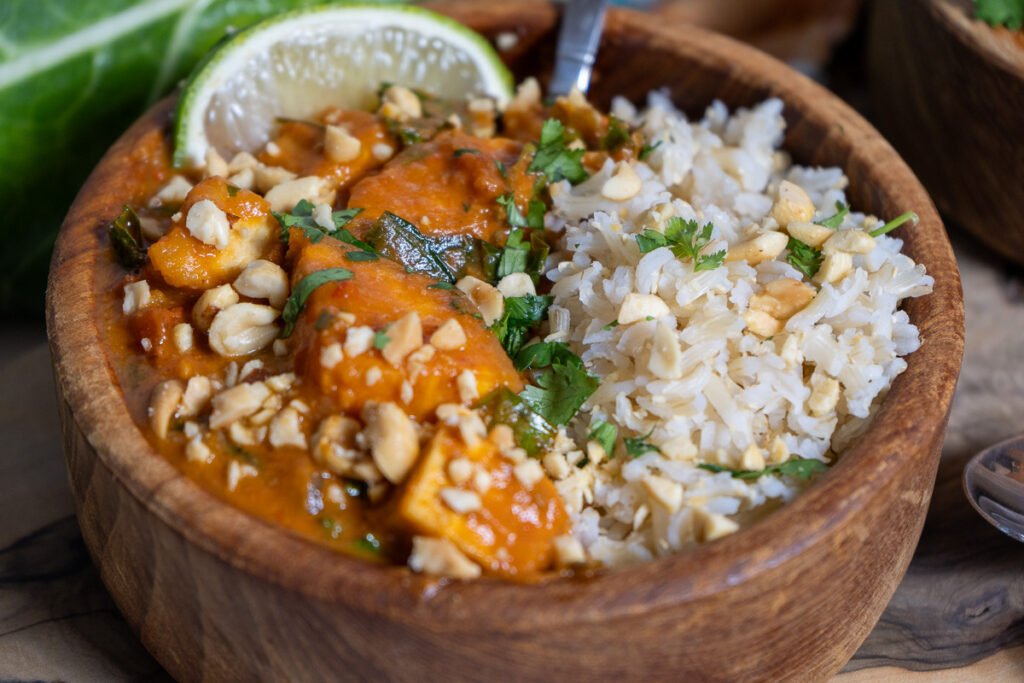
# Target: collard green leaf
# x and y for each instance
(442, 257)
(532, 432)
(126, 238)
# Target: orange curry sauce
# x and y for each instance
(446, 181)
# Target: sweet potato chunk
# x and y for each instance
(184, 261)
(448, 185)
(514, 529)
(380, 294)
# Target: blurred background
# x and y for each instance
(942, 79)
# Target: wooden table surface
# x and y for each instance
(958, 615)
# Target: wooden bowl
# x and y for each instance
(218, 595)
(948, 91)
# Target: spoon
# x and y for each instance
(582, 23)
(994, 483)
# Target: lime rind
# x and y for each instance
(355, 20)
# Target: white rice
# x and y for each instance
(736, 389)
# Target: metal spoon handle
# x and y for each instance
(582, 23)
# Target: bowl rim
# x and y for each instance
(256, 547)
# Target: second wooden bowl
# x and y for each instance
(948, 90)
(217, 595)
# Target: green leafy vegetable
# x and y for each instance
(836, 220)
(799, 468)
(686, 240)
(126, 238)
(605, 434)
(543, 354)
(803, 257)
(380, 339)
(442, 257)
(895, 223)
(638, 445)
(515, 218)
(562, 387)
(554, 158)
(307, 285)
(532, 432)
(464, 150)
(1008, 13)
(301, 217)
(441, 285)
(647, 148)
(521, 314)
(617, 135)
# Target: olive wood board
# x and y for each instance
(959, 613)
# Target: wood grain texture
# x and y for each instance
(217, 595)
(948, 91)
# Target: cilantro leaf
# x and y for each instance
(1008, 13)
(126, 238)
(532, 432)
(617, 135)
(804, 257)
(799, 468)
(835, 220)
(521, 315)
(544, 354)
(519, 256)
(307, 285)
(647, 148)
(895, 223)
(554, 158)
(605, 434)
(515, 217)
(535, 211)
(380, 339)
(686, 240)
(638, 445)
(301, 217)
(560, 391)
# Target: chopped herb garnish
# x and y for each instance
(301, 217)
(554, 158)
(307, 285)
(638, 445)
(519, 256)
(502, 171)
(561, 388)
(512, 213)
(380, 339)
(895, 223)
(441, 285)
(126, 238)
(1008, 13)
(233, 190)
(686, 240)
(442, 257)
(466, 206)
(803, 257)
(647, 148)
(464, 150)
(835, 220)
(521, 314)
(544, 354)
(532, 432)
(360, 256)
(535, 211)
(800, 468)
(605, 434)
(611, 326)
(617, 135)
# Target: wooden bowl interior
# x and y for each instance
(855, 530)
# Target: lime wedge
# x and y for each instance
(298, 63)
